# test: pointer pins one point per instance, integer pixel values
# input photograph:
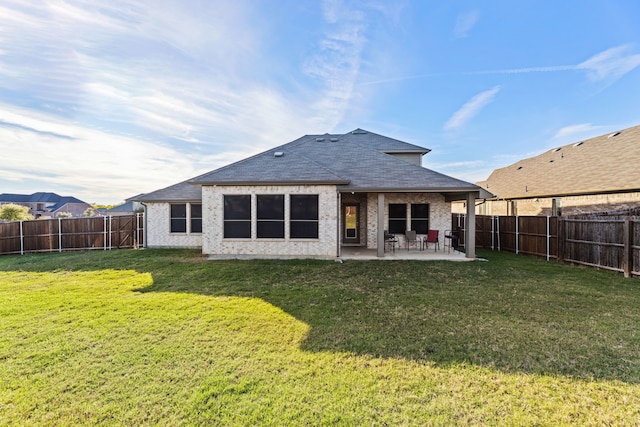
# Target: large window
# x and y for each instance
(397, 218)
(420, 217)
(237, 216)
(196, 218)
(304, 217)
(270, 216)
(179, 218)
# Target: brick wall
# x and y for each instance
(439, 213)
(216, 246)
(158, 233)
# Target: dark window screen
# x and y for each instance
(397, 218)
(420, 217)
(304, 216)
(237, 217)
(270, 216)
(179, 218)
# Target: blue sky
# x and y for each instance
(105, 100)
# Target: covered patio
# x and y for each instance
(362, 253)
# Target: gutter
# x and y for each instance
(146, 229)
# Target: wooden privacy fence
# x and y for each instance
(72, 234)
(611, 243)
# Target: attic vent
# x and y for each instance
(333, 139)
(578, 144)
(519, 167)
(320, 139)
(555, 150)
(614, 134)
(278, 154)
(359, 132)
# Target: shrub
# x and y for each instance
(13, 212)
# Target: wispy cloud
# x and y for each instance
(611, 64)
(465, 23)
(607, 66)
(471, 109)
(155, 82)
(64, 154)
(577, 131)
(337, 63)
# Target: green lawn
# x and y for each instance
(161, 337)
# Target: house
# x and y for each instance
(46, 205)
(129, 207)
(600, 174)
(308, 198)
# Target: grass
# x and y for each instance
(161, 337)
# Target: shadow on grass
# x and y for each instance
(514, 314)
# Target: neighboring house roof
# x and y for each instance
(63, 201)
(355, 161)
(40, 197)
(127, 206)
(14, 198)
(604, 164)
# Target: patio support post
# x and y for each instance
(380, 230)
(339, 225)
(470, 226)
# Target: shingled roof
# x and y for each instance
(40, 197)
(604, 164)
(180, 192)
(356, 161)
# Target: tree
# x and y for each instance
(64, 215)
(13, 212)
(89, 212)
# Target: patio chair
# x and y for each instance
(431, 237)
(390, 241)
(411, 237)
(451, 239)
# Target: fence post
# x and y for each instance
(493, 237)
(498, 234)
(21, 239)
(628, 247)
(548, 239)
(59, 234)
(110, 231)
(137, 242)
(104, 234)
(517, 237)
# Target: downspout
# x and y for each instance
(146, 229)
(339, 211)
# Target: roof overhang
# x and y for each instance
(567, 194)
(477, 193)
(449, 193)
(172, 200)
(423, 151)
(261, 183)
